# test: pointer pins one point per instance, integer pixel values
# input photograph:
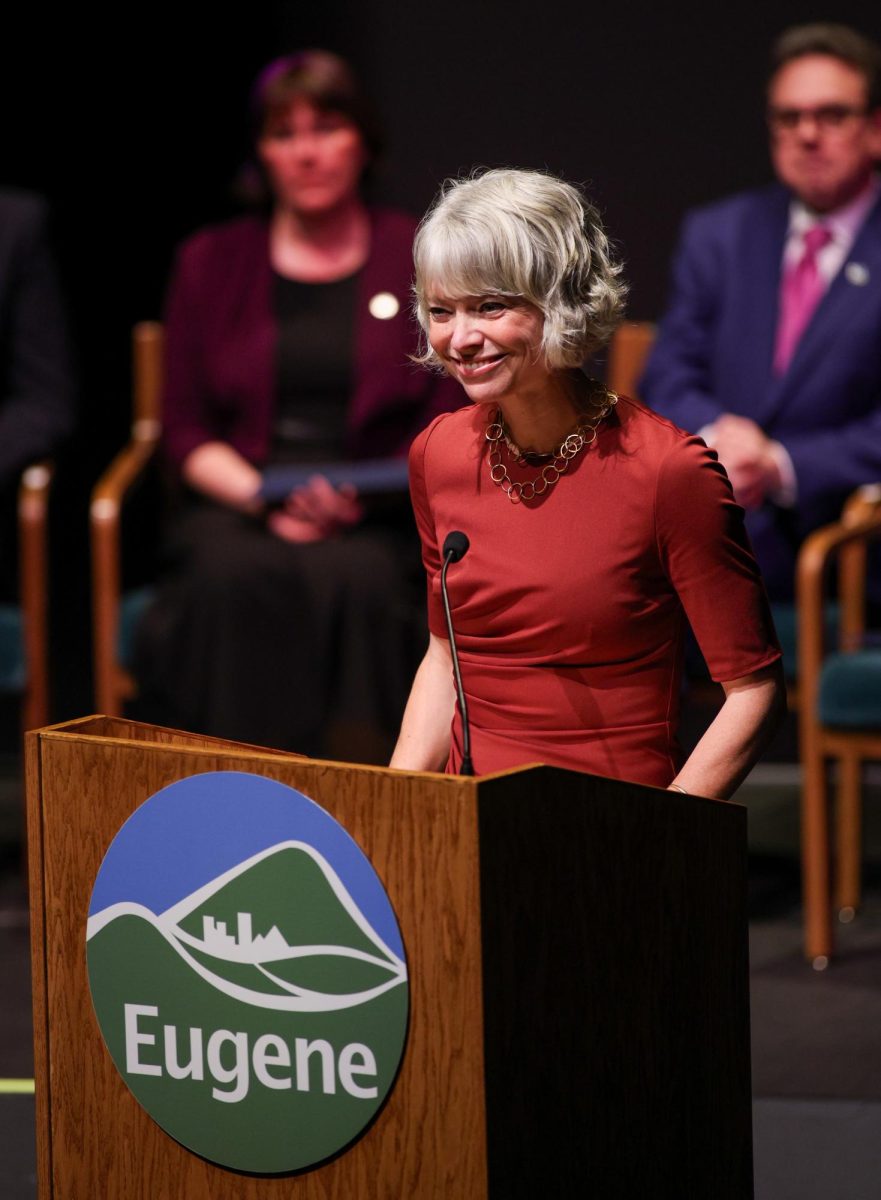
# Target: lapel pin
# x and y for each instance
(857, 274)
(384, 306)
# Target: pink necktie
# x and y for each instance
(800, 293)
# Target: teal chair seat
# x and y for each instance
(13, 675)
(850, 690)
(132, 607)
(786, 624)
(839, 713)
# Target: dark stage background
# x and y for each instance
(134, 131)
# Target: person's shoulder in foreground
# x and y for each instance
(675, 467)
(450, 431)
(640, 427)
(631, 417)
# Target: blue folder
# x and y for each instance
(371, 477)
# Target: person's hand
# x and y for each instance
(316, 512)
(747, 455)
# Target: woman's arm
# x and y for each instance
(217, 470)
(740, 732)
(424, 740)
(312, 513)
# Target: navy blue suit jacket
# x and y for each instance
(715, 348)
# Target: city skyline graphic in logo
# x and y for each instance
(247, 972)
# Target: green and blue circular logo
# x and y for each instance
(247, 972)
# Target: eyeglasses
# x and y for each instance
(828, 117)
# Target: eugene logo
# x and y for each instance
(247, 972)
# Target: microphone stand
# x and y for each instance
(453, 554)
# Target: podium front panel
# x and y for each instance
(419, 833)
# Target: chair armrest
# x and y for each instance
(860, 523)
(111, 490)
(33, 550)
(852, 567)
(108, 498)
(861, 503)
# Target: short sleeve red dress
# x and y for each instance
(571, 610)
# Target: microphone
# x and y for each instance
(456, 545)
(455, 548)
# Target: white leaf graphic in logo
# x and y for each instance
(212, 930)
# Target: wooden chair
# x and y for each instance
(24, 628)
(628, 352)
(113, 611)
(840, 714)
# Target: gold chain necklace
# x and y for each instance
(582, 437)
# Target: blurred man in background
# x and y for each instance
(771, 344)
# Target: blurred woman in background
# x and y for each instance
(288, 343)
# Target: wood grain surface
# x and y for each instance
(95, 1142)
(616, 995)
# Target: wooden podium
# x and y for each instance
(578, 970)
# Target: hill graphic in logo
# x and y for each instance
(247, 972)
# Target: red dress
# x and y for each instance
(570, 610)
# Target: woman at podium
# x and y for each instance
(598, 530)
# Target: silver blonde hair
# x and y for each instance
(527, 235)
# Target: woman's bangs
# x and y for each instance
(459, 262)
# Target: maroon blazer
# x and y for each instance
(221, 341)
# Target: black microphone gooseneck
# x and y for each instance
(456, 547)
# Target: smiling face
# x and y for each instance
(491, 344)
(313, 159)
(824, 141)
